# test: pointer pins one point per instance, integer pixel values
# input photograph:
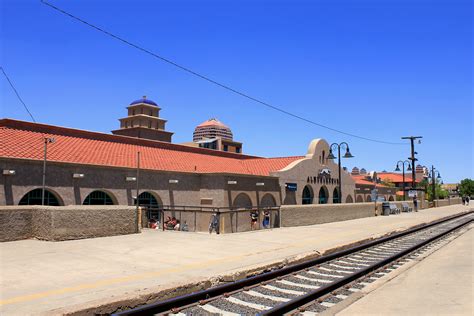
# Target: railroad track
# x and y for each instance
(313, 286)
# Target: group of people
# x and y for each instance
(254, 219)
(254, 215)
(465, 200)
(172, 223)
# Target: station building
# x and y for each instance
(94, 168)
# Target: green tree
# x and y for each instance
(466, 188)
(440, 192)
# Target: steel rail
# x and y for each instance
(299, 301)
(188, 299)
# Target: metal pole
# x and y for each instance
(339, 164)
(433, 185)
(44, 170)
(138, 186)
(403, 173)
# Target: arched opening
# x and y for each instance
(242, 201)
(368, 198)
(391, 198)
(34, 197)
(335, 196)
(307, 195)
(323, 195)
(359, 199)
(149, 199)
(98, 198)
(349, 199)
(268, 201)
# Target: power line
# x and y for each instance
(17, 94)
(188, 70)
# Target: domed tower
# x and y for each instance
(213, 134)
(143, 121)
(355, 171)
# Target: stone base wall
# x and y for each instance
(302, 215)
(66, 222)
(446, 202)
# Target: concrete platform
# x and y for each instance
(39, 277)
(441, 284)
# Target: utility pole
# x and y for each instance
(45, 153)
(138, 191)
(413, 159)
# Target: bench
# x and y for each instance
(394, 209)
(406, 207)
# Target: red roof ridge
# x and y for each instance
(68, 131)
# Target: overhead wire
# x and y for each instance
(17, 94)
(203, 77)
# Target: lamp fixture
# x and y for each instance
(260, 184)
(331, 155)
(131, 179)
(78, 175)
(9, 172)
(174, 181)
(231, 182)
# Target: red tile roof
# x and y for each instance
(361, 180)
(394, 177)
(24, 140)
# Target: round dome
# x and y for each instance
(144, 100)
(212, 128)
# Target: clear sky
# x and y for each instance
(380, 68)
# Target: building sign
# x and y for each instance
(412, 193)
(291, 186)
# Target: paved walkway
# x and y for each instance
(51, 277)
(441, 284)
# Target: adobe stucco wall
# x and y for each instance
(301, 215)
(66, 222)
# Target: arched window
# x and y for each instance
(368, 198)
(307, 195)
(148, 199)
(335, 196)
(242, 201)
(34, 197)
(349, 199)
(323, 156)
(268, 201)
(391, 198)
(323, 195)
(359, 199)
(98, 198)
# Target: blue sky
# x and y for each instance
(381, 69)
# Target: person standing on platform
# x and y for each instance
(415, 204)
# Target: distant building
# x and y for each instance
(213, 134)
(143, 121)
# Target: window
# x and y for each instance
(35, 196)
(98, 198)
(307, 195)
(226, 148)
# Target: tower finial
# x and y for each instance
(144, 97)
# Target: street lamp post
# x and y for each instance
(403, 173)
(46, 140)
(346, 155)
(433, 183)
